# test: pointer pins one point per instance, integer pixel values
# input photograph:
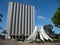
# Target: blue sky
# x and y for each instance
(44, 10)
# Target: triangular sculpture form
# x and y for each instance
(42, 34)
(33, 35)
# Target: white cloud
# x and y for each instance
(41, 17)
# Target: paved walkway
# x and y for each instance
(11, 42)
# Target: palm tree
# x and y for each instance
(1, 17)
(1, 20)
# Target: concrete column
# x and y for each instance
(16, 19)
(8, 24)
(26, 21)
(20, 19)
(13, 19)
(29, 20)
(33, 21)
(23, 19)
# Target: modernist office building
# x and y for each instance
(20, 20)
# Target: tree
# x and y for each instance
(48, 28)
(56, 18)
(59, 36)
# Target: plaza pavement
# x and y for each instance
(12, 42)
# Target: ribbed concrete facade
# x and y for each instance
(20, 20)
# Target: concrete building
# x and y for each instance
(20, 20)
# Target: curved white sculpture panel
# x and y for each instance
(33, 35)
(41, 37)
(44, 34)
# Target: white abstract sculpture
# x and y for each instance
(42, 34)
